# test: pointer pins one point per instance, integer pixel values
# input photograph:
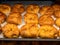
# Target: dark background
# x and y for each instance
(29, 43)
(55, 1)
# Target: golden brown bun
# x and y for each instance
(57, 13)
(56, 7)
(31, 18)
(5, 8)
(47, 31)
(29, 31)
(46, 20)
(14, 18)
(57, 22)
(18, 8)
(0, 29)
(32, 8)
(2, 17)
(59, 33)
(10, 31)
(46, 10)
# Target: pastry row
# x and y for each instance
(29, 18)
(32, 8)
(29, 31)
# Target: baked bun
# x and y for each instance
(5, 8)
(47, 31)
(10, 31)
(29, 31)
(57, 13)
(14, 18)
(2, 18)
(0, 29)
(57, 22)
(46, 10)
(18, 8)
(56, 7)
(31, 18)
(46, 20)
(32, 8)
(59, 33)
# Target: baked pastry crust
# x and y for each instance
(57, 22)
(56, 7)
(2, 18)
(5, 8)
(32, 8)
(58, 33)
(47, 31)
(14, 18)
(10, 31)
(31, 18)
(46, 10)
(0, 29)
(57, 13)
(46, 20)
(29, 31)
(18, 8)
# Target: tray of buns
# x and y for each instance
(29, 20)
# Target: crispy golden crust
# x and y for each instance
(56, 7)
(46, 10)
(14, 18)
(31, 18)
(5, 8)
(47, 31)
(2, 17)
(0, 29)
(46, 20)
(10, 31)
(57, 22)
(32, 8)
(29, 30)
(18, 8)
(59, 33)
(57, 13)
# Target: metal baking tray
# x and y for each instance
(27, 3)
